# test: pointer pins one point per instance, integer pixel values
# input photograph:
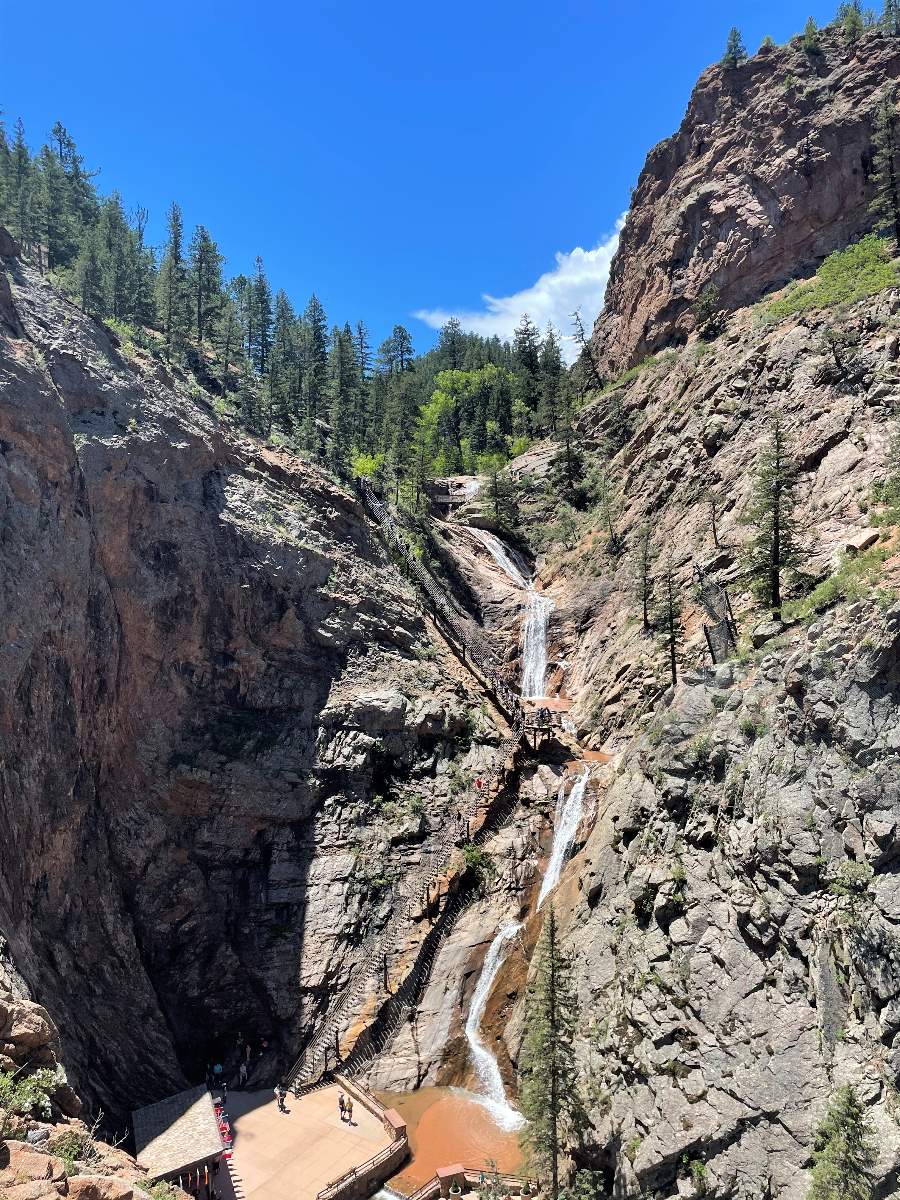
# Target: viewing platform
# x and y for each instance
(308, 1151)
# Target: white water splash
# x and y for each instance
(492, 1093)
(569, 811)
(534, 634)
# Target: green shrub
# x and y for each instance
(478, 860)
(22, 1095)
(700, 750)
(844, 277)
(851, 878)
(752, 727)
(851, 581)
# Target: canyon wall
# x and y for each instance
(223, 730)
(768, 173)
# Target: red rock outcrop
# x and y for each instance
(768, 173)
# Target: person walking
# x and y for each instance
(349, 1111)
(342, 1105)
(279, 1097)
(242, 1074)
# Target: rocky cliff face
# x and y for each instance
(768, 173)
(224, 731)
(732, 914)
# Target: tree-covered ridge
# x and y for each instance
(291, 377)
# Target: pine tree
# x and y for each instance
(282, 364)
(89, 275)
(451, 346)
(885, 206)
(811, 37)
(362, 353)
(527, 358)
(775, 545)
(261, 302)
(61, 230)
(313, 369)
(844, 1150)
(890, 18)
(171, 285)
(25, 193)
(205, 283)
(587, 358)
(850, 19)
(342, 382)
(549, 1092)
(551, 375)
(735, 50)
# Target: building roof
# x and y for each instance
(178, 1132)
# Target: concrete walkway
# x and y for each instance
(295, 1155)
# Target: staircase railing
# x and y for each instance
(385, 943)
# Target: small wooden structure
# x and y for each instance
(178, 1136)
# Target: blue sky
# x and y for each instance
(395, 157)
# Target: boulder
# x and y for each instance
(760, 634)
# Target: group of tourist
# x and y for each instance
(239, 1074)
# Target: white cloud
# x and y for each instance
(578, 281)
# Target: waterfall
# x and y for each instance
(534, 634)
(569, 810)
(492, 1093)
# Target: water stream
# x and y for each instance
(569, 811)
(492, 1093)
(534, 636)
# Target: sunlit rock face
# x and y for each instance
(768, 173)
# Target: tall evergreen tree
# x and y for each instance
(890, 18)
(205, 282)
(850, 19)
(811, 42)
(735, 50)
(261, 302)
(89, 275)
(362, 353)
(844, 1150)
(282, 364)
(885, 206)
(588, 360)
(60, 224)
(342, 390)
(527, 358)
(171, 286)
(551, 377)
(549, 1091)
(451, 346)
(314, 369)
(775, 545)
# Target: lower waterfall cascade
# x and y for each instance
(569, 811)
(491, 1090)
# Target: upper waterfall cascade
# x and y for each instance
(534, 633)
